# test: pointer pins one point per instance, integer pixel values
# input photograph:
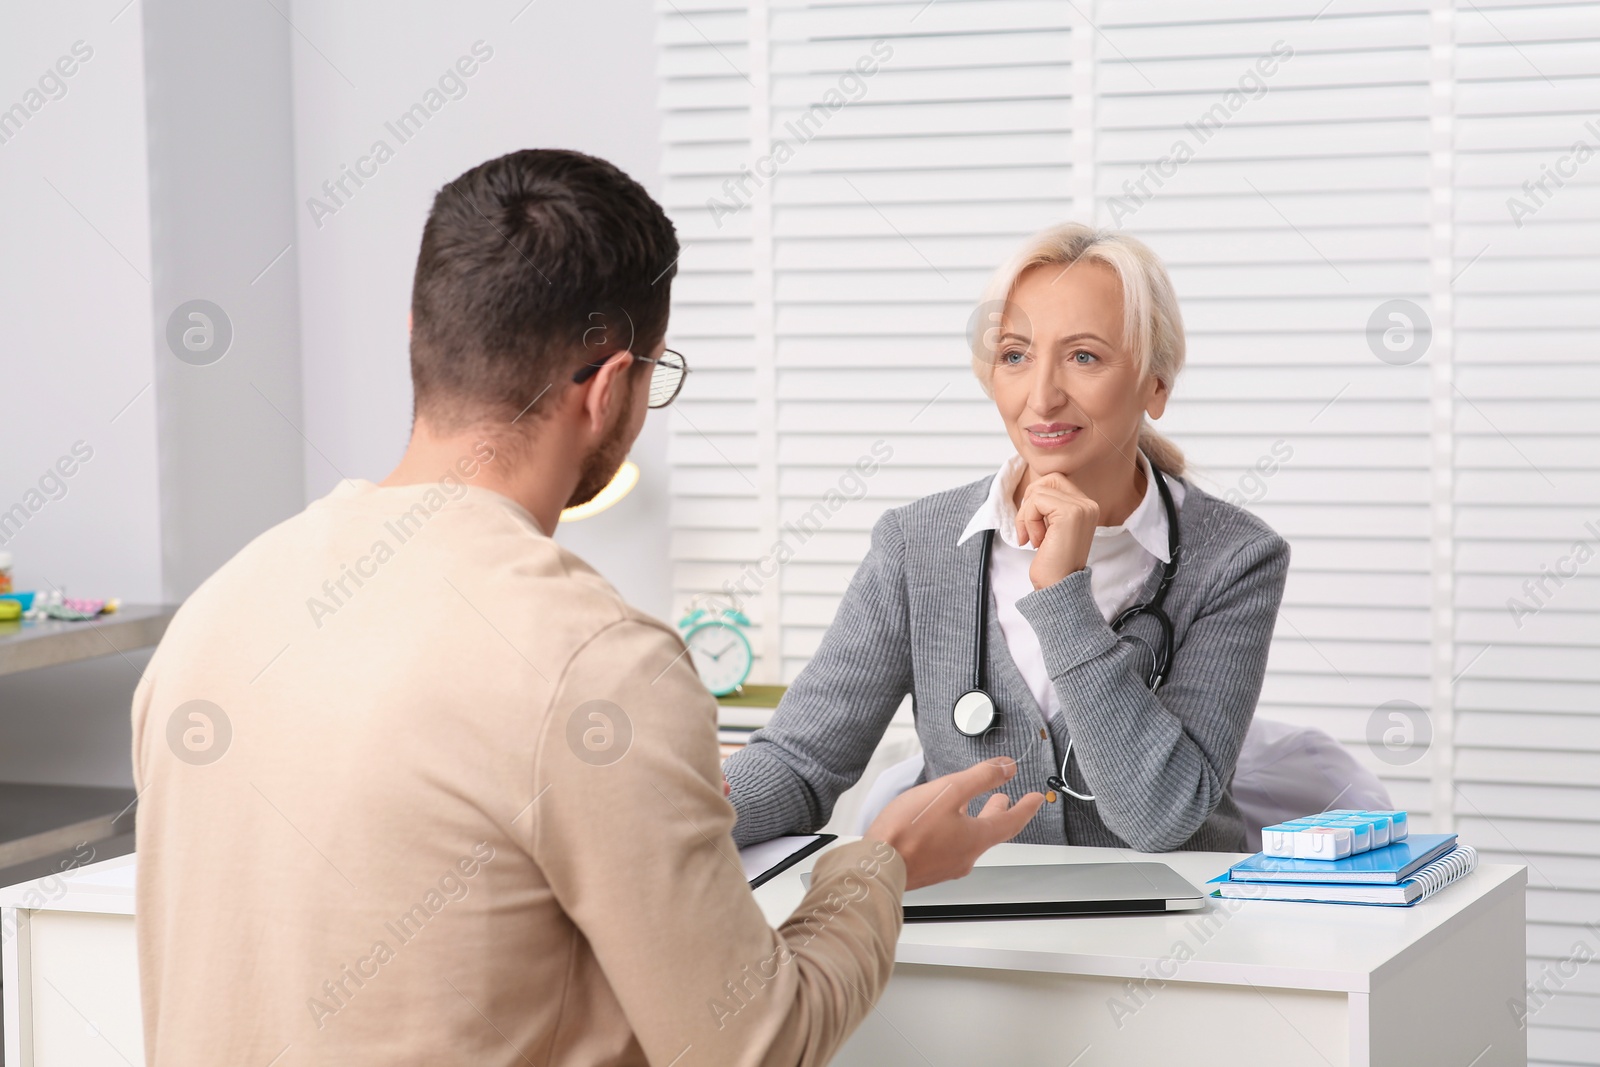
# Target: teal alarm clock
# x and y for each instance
(718, 646)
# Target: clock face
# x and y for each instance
(721, 655)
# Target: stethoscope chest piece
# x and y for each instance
(974, 713)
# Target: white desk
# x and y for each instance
(1256, 983)
(1247, 982)
(71, 969)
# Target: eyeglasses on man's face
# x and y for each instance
(666, 377)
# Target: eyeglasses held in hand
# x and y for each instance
(666, 379)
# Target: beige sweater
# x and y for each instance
(417, 787)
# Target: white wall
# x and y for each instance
(221, 186)
(76, 362)
(578, 76)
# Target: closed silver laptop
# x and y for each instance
(1049, 890)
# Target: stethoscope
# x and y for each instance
(975, 713)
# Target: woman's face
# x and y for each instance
(1069, 392)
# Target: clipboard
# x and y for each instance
(767, 860)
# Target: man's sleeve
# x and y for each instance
(632, 832)
(829, 722)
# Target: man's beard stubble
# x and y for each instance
(601, 465)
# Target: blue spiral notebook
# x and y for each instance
(1428, 880)
(1389, 865)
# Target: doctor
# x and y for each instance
(1085, 611)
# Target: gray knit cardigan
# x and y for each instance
(1160, 764)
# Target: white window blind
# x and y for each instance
(1527, 485)
(1380, 313)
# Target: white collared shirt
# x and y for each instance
(1120, 558)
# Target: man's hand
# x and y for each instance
(1059, 521)
(930, 828)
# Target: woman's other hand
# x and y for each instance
(1059, 521)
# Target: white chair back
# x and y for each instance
(890, 783)
(1287, 771)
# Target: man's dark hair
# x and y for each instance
(532, 265)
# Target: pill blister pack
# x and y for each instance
(1333, 835)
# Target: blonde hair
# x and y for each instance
(1152, 326)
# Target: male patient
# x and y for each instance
(418, 787)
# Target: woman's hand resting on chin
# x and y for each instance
(1059, 521)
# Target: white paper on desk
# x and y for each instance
(759, 859)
